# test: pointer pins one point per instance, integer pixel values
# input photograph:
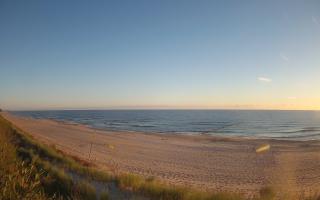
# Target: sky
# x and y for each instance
(168, 54)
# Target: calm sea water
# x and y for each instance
(296, 125)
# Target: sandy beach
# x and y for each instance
(201, 161)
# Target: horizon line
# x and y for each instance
(155, 109)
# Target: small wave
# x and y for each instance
(303, 130)
(208, 123)
(298, 136)
(143, 126)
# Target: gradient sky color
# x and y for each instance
(160, 54)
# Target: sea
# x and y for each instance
(288, 125)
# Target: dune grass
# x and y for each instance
(104, 196)
(29, 170)
(32, 150)
(17, 180)
(159, 190)
(85, 191)
(267, 193)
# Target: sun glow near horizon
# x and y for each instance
(288, 103)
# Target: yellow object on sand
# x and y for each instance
(110, 146)
(262, 148)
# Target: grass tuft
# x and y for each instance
(85, 191)
(267, 193)
(104, 196)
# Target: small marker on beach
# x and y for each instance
(110, 146)
(263, 148)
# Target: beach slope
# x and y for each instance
(201, 161)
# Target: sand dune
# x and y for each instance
(204, 162)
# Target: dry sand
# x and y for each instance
(201, 161)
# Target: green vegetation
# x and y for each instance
(267, 193)
(158, 190)
(30, 170)
(85, 191)
(104, 196)
(17, 180)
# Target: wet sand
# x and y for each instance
(201, 161)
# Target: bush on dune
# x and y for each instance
(23, 183)
(267, 193)
(104, 196)
(28, 171)
(85, 191)
(158, 190)
(17, 179)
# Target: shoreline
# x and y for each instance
(195, 134)
(201, 161)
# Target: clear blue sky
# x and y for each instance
(160, 54)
